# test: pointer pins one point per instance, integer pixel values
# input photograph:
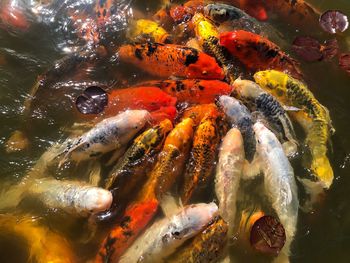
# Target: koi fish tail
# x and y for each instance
(17, 142)
(12, 197)
(322, 169)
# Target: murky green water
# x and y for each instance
(323, 235)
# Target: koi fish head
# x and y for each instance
(221, 12)
(246, 89)
(273, 81)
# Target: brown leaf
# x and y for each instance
(330, 49)
(344, 62)
(307, 48)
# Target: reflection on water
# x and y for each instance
(49, 30)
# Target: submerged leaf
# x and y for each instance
(93, 100)
(311, 50)
(307, 48)
(344, 62)
(333, 21)
(330, 49)
(267, 235)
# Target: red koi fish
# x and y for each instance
(258, 53)
(171, 60)
(13, 17)
(193, 91)
(160, 104)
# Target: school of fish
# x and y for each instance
(213, 112)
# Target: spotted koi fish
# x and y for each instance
(312, 116)
(258, 53)
(205, 142)
(165, 235)
(130, 169)
(193, 91)
(138, 214)
(108, 135)
(143, 30)
(206, 246)
(208, 37)
(171, 60)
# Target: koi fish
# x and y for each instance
(194, 91)
(258, 53)
(208, 36)
(312, 116)
(228, 175)
(165, 235)
(147, 30)
(150, 98)
(13, 16)
(125, 170)
(168, 167)
(280, 185)
(184, 12)
(296, 12)
(200, 165)
(261, 101)
(171, 60)
(206, 246)
(199, 112)
(239, 115)
(70, 196)
(109, 134)
(232, 18)
(43, 244)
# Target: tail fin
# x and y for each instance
(322, 169)
(18, 141)
(12, 197)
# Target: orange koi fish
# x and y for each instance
(258, 53)
(198, 112)
(138, 214)
(43, 244)
(206, 139)
(160, 104)
(13, 17)
(171, 60)
(194, 91)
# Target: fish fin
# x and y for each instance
(169, 205)
(251, 170)
(290, 149)
(290, 108)
(314, 190)
(95, 174)
(116, 155)
(17, 142)
(11, 198)
(70, 146)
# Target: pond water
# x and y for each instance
(323, 234)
